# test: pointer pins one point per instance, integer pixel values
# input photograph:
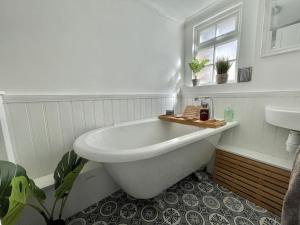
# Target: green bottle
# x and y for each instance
(228, 114)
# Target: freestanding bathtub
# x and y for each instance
(146, 157)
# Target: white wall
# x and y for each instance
(253, 134)
(275, 81)
(88, 46)
(43, 128)
(122, 48)
(279, 72)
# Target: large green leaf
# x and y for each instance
(67, 184)
(8, 171)
(19, 194)
(66, 173)
(36, 191)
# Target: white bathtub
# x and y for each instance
(146, 157)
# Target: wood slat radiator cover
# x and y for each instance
(260, 183)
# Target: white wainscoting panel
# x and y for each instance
(253, 133)
(3, 155)
(43, 128)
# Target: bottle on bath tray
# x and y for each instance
(228, 114)
(204, 112)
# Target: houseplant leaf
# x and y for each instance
(36, 191)
(197, 65)
(15, 189)
(20, 192)
(8, 171)
(68, 182)
(66, 173)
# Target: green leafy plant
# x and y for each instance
(223, 65)
(16, 188)
(197, 65)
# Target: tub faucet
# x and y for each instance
(211, 105)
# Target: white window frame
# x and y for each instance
(235, 10)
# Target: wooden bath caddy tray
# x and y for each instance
(213, 123)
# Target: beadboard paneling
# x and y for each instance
(3, 155)
(42, 129)
(253, 133)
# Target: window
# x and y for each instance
(217, 37)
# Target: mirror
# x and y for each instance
(281, 27)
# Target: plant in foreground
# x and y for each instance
(16, 189)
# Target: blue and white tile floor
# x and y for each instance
(196, 200)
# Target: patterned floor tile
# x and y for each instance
(196, 200)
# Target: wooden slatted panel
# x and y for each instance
(262, 184)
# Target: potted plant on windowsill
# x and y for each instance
(222, 66)
(18, 191)
(196, 66)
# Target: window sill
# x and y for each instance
(214, 84)
(217, 90)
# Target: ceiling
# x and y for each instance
(179, 9)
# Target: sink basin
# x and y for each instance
(288, 118)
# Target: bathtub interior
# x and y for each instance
(139, 134)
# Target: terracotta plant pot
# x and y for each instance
(195, 82)
(222, 78)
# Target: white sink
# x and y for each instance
(288, 118)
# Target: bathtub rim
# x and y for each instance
(129, 155)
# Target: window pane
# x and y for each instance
(226, 26)
(207, 53)
(231, 72)
(205, 75)
(207, 34)
(227, 50)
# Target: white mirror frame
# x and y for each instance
(266, 49)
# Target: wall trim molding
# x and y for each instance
(204, 9)
(185, 92)
(31, 98)
(190, 92)
(213, 5)
(163, 13)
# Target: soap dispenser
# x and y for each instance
(204, 111)
(228, 114)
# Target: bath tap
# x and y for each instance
(211, 105)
